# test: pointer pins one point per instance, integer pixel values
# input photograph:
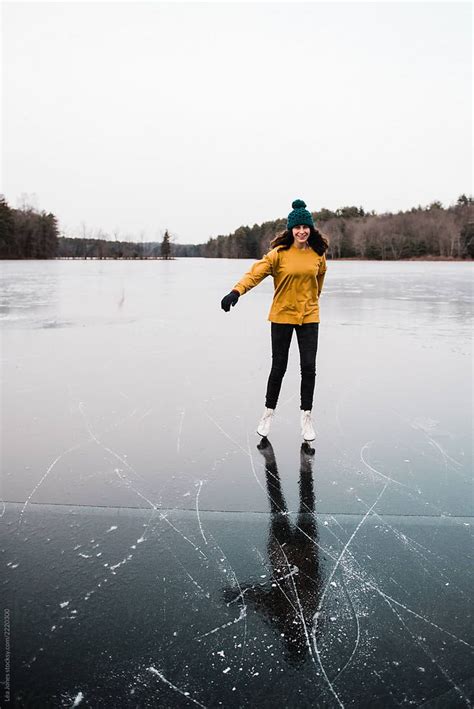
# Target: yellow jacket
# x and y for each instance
(298, 276)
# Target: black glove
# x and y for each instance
(230, 299)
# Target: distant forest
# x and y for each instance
(422, 232)
(25, 233)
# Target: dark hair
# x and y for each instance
(317, 241)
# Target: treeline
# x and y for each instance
(431, 232)
(421, 232)
(104, 249)
(25, 233)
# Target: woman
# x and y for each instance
(297, 263)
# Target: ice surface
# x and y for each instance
(145, 533)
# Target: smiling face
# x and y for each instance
(300, 235)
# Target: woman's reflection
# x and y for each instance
(290, 598)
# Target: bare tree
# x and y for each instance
(141, 236)
(28, 202)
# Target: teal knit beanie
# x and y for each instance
(299, 215)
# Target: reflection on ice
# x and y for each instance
(288, 598)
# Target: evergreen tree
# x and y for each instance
(324, 215)
(48, 236)
(464, 201)
(166, 246)
(7, 231)
(467, 239)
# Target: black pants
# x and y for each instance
(308, 345)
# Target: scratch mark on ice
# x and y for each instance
(224, 432)
(242, 616)
(377, 472)
(40, 482)
(443, 453)
(143, 416)
(357, 640)
(178, 444)
(128, 482)
(102, 445)
(164, 517)
(197, 511)
(425, 427)
(204, 593)
(154, 671)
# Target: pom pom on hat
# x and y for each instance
(299, 215)
(298, 204)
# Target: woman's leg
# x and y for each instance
(281, 338)
(308, 345)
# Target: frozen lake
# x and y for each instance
(148, 541)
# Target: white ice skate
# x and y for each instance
(307, 430)
(263, 428)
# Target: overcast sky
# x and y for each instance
(202, 117)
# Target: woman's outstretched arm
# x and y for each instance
(258, 271)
